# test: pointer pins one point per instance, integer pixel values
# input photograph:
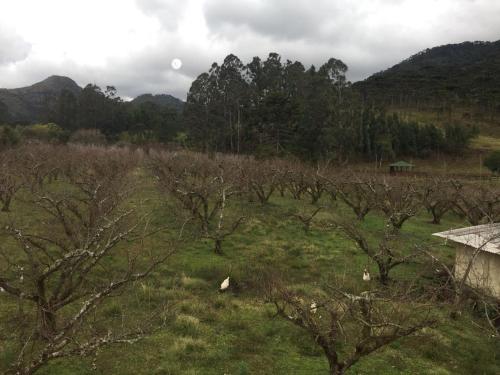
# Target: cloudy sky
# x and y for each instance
(131, 43)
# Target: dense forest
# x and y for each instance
(265, 107)
(444, 79)
(272, 107)
(61, 101)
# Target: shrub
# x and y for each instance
(8, 137)
(492, 162)
(88, 137)
(45, 132)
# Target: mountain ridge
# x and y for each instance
(466, 73)
(30, 103)
(463, 75)
(33, 103)
(160, 100)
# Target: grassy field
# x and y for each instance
(208, 332)
(486, 143)
(488, 126)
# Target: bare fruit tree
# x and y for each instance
(73, 259)
(219, 232)
(316, 183)
(349, 326)
(307, 218)
(478, 203)
(386, 254)
(357, 193)
(261, 178)
(203, 187)
(296, 181)
(11, 177)
(398, 200)
(437, 198)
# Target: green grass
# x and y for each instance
(236, 333)
(487, 125)
(486, 143)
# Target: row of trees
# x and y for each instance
(204, 187)
(278, 108)
(104, 110)
(347, 322)
(265, 107)
(63, 266)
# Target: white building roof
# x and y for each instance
(485, 237)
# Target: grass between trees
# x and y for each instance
(192, 221)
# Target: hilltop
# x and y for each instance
(32, 103)
(162, 100)
(450, 83)
(467, 73)
(36, 102)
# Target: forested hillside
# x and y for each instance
(162, 100)
(270, 107)
(462, 78)
(61, 101)
(33, 103)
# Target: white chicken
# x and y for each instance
(224, 285)
(314, 307)
(366, 275)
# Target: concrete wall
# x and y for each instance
(485, 270)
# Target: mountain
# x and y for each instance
(31, 104)
(162, 100)
(465, 74)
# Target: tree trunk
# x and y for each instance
(6, 204)
(218, 247)
(361, 213)
(47, 322)
(436, 219)
(335, 367)
(383, 271)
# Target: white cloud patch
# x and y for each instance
(13, 47)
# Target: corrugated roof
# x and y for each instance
(486, 237)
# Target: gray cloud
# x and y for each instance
(168, 12)
(13, 48)
(147, 72)
(368, 35)
(279, 19)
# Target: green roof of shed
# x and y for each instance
(401, 163)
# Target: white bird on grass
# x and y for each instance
(2, 290)
(314, 307)
(366, 275)
(224, 285)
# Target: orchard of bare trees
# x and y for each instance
(77, 230)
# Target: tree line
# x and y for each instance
(266, 107)
(103, 110)
(275, 108)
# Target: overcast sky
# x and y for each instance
(131, 43)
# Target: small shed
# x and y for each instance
(481, 249)
(400, 166)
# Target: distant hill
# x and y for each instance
(31, 104)
(465, 74)
(34, 103)
(160, 100)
